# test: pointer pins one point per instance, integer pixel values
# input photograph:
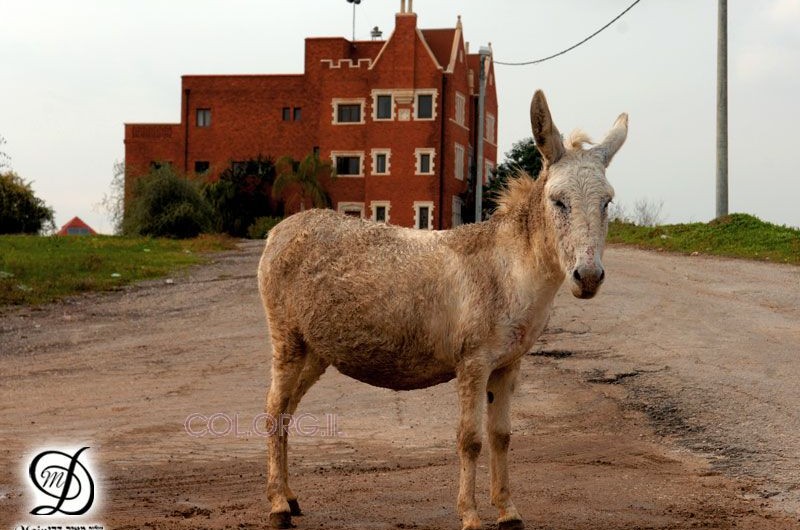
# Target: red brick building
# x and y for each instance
(397, 118)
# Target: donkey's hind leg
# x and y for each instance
(313, 368)
(288, 361)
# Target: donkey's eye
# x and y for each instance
(560, 205)
(605, 205)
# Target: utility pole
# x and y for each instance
(355, 3)
(722, 108)
(483, 54)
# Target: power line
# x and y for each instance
(562, 52)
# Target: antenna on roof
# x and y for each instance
(376, 33)
(355, 3)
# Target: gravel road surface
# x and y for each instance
(670, 401)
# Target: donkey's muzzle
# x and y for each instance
(586, 280)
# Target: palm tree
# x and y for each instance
(304, 179)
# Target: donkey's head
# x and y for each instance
(576, 195)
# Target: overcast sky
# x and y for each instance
(74, 72)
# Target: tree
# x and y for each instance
(165, 204)
(21, 211)
(303, 179)
(242, 194)
(524, 156)
(646, 213)
(5, 160)
(113, 202)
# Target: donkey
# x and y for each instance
(401, 308)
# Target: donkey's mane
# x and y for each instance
(576, 139)
(517, 192)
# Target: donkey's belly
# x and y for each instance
(397, 372)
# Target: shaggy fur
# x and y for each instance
(403, 309)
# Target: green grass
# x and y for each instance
(35, 270)
(736, 235)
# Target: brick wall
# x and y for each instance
(247, 119)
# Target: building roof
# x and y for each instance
(75, 226)
(441, 42)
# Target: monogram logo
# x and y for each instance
(63, 477)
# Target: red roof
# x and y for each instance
(75, 226)
(441, 43)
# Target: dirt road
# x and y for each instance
(670, 401)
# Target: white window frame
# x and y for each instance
(373, 206)
(344, 207)
(374, 157)
(458, 206)
(434, 103)
(422, 204)
(417, 160)
(458, 165)
(375, 94)
(491, 125)
(488, 168)
(461, 108)
(335, 102)
(360, 154)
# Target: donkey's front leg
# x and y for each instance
(498, 396)
(471, 391)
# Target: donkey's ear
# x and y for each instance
(548, 139)
(614, 140)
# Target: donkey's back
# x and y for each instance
(371, 299)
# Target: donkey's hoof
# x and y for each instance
(511, 524)
(280, 520)
(294, 506)
(471, 524)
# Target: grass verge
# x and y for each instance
(736, 235)
(35, 270)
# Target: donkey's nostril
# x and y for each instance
(602, 276)
(576, 275)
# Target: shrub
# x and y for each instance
(261, 227)
(645, 213)
(166, 205)
(22, 212)
(113, 202)
(242, 194)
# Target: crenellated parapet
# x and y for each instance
(346, 63)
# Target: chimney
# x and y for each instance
(410, 6)
(405, 32)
